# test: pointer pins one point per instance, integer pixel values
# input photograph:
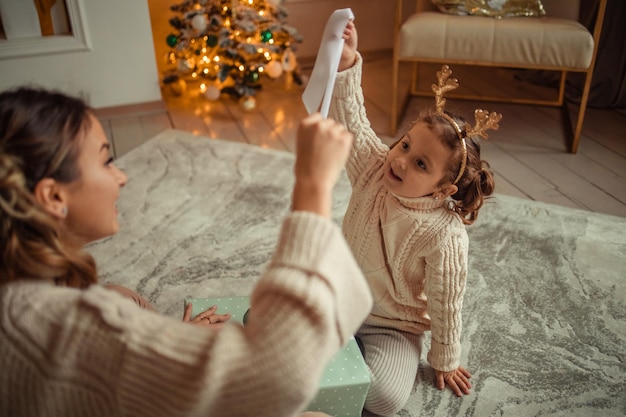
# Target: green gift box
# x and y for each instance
(345, 381)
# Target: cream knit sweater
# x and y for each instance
(67, 352)
(413, 251)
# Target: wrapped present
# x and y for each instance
(345, 381)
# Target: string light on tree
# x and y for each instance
(227, 46)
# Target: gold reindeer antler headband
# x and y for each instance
(484, 119)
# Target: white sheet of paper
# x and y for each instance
(319, 90)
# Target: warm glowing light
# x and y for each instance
(261, 69)
(267, 55)
(241, 68)
(261, 12)
(260, 50)
(194, 75)
(216, 58)
(206, 71)
(271, 42)
(279, 117)
(206, 58)
(202, 87)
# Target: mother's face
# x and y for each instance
(91, 199)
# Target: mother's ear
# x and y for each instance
(52, 197)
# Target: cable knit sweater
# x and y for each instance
(70, 352)
(413, 251)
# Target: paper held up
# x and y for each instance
(319, 90)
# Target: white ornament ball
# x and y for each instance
(212, 92)
(199, 22)
(289, 60)
(247, 103)
(274, 69)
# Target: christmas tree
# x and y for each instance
(227, 46)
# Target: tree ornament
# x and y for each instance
(199, 22)
(212, 92)
(266, 35)
(274, 69)
(211, 40)
(171, 40)
(289, 60)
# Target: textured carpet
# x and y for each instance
(544, 313)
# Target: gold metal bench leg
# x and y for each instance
(578, 130)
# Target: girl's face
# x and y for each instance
(417, 164)
(91, 199)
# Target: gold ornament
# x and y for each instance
(176, 88)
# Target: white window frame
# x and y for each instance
(78, 40)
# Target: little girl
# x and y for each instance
(405, 224)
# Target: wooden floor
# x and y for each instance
(528, 153)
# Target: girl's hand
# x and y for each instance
(348, 55)
(457, 380)
(207, 318)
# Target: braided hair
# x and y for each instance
(39, 138)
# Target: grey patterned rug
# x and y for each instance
(544, 314)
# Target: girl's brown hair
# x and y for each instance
(477, 182)
(40, 134)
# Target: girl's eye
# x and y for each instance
(109, 161)
(405, 145)
(421, 164)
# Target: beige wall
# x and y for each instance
(374, 20)
(119, 69)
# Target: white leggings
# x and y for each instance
(392, 357)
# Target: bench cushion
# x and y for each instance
(517, 41)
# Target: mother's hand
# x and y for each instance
(207, 318)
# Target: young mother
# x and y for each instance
(69, 346)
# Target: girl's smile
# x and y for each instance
(417, 164)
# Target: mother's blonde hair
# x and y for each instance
(40, 133)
